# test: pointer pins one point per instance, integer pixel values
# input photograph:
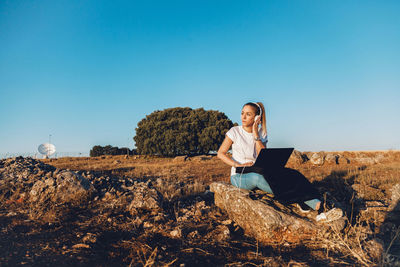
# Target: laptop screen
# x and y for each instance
(272, 158)
(269, 159)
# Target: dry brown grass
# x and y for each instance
(181, 181)
(147, 167)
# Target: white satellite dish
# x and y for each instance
(47, 149)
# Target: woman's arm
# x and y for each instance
(259, 145)
(223, 149)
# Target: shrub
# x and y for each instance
(110, 150)
(181, 131)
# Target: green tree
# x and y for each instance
(110, 150)
(181, 131)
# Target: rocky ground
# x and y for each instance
(138, 210)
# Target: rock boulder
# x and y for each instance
(317, 158)
(297, 158)
(259, 220)
(331, 158)
(342, 160)
(68, 187)
(144, 197)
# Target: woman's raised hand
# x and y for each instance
(257, 121)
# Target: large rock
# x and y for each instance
(297, 157)
(72, 187)
(20, 174)
(144, 197)
(141, 196)
(331, 158)
(395, 198)
(369, 158)
(68, 187)
(342, 160)
(317, 158)
(259, 220)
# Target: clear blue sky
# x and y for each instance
(87, 72)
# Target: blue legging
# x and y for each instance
(252, 180)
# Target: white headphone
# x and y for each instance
(259, 108)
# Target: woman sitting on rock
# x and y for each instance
(247, 141)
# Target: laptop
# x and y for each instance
(268, 160)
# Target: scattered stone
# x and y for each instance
(81, 246)
(49, 182)
(368, 159)
(221, 233)
(160, 217)
(365, 160)
(145, 197)
(296, 158)
(176, 233)
(395, 198)
(317, 158)
(342, 160)
(137, 222)
(147, 224)
(107, 196)
(194, 234)
(89, 238)
(379, 158)
(331, 158)
(11, 213)
(227, 222)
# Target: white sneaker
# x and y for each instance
(330, 215)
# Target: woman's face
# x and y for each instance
(247, 116)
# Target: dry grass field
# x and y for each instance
(191, 230)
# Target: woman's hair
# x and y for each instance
(259, 107)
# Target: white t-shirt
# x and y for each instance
(244, 145)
